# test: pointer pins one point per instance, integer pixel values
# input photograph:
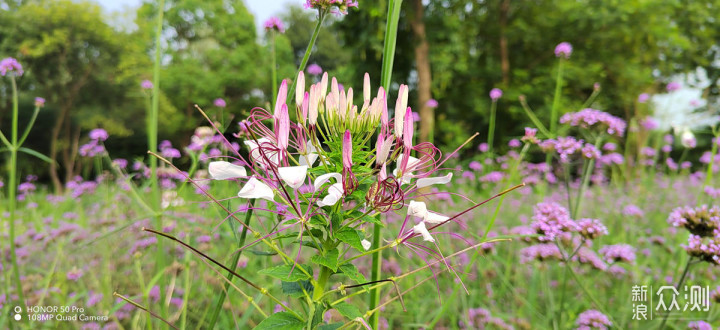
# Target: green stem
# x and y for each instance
(12, 187)
(555, 104)
(391, 27)
(319, 289)
(321, 17)
(152, 133)
(274, 67)
(375, 276)
(682, 279)
(491, 130)
(241, 241)
(713, 152)
(590, 164)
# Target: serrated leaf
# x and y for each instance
(350, 236)
(282, 320)
(283, 273)
(353, 273)
(348, 310)
(329, 260)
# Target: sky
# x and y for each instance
(261, 9)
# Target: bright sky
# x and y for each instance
(261, 9)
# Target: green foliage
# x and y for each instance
(285, 273)
(281, 320)
(329, 259)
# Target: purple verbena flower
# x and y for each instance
(592, 319)
(644, 97)
(10, 65)
(274, 23)
(590, 117)
(563, 49)
(495, 94)
(39, 102)
(673, 86)
(618, 253)
(146, 84)
(98, 134)
(220, 103)
(314, 69)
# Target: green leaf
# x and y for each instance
(283, 273)
(36, 154)
(282, 320)
(353, 273)
(262, 253)
(294, 289)
(348, 310)
(350, 236)
(333, 326)
(329, 260)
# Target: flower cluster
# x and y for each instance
(551, 220)
(591, 228)
(565, 146)
(590, 117)
(274, 23)
(563, 49)
(592, 319)
(95, 146)
(10, 65)
(618, 253)
(340, 6)
(703, 223)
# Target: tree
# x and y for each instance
(71, 57)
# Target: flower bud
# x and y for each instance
(299, 88)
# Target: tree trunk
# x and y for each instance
(504, 56)
(54, 135)
(422, 64)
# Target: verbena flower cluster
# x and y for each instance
(592, 319)
(552, 221)
(703, 224)
(590, 117)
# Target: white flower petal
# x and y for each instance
(435, 218)
(424, 182)
(335, 192)
(222, 170)
(254, 188)
(294, 176)
(319, 181)
(311, 156)
(422, 230)
(417, 209)
(366, 244)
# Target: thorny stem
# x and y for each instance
(682, 279)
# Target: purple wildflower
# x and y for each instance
(563, 49)
(146, 84)
(699, 325)
(591, 117)
(514, 143)
(10, 65)
(220, 103)
(700, 221)
(540, 252)
(633, 211)
(475, 166)
(39, 102)
(274, 23)
(98, 134)
(496, 94)
(530, 135)
(644, 97)
(673, 86)
(483, 147)
(618, 253)
(314, 69)
(432, 103)
(592, 319)
(552, 220)
(591, 228)
(340, 6)
(74, 275)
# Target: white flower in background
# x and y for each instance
(222, 170)
(682, 108)
(687, 139)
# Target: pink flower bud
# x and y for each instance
(283, 127)
(281, 97)
(408, 129)
(347, 150)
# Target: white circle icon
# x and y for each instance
(18, 317)
(18, 309)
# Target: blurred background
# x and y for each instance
(87, 58)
